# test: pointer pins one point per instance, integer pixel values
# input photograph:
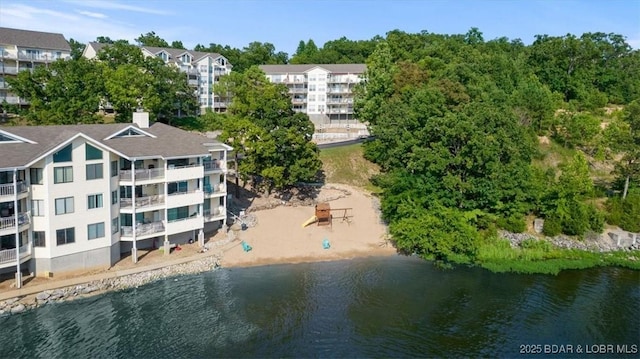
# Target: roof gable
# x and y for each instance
(130, 131)
(6, 137)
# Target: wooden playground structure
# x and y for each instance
(323, 216)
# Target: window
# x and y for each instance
(114, 225)
(312, 98)
(174, 214)
(94, 171)
(92, 153)
(95, 230)
(63, 174)
(177, 187)
(64, 155)
(65, 236)
(38, 239)
(94, 201)
(312, 78)
(64, 205)
(312, 87)
(114, 197)
(114, 168)
(36, 175)
(37, 208)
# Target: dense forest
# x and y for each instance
(457, 122)
(462, 127)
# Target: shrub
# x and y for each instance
(552, 227)
(513, 224)
(625, 212)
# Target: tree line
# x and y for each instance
(456, 121)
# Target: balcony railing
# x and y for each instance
(9, 255)
(178, 193)
(142, 229)
(142, 175)
(142, 202)
(183, 218)
(212, 212)
(209, 189)
(7, 188)
(10, 222)
(211, 165)
(173, 167)
(13, 100)
(297, 90)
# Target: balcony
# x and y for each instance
(142, 202)
(186, 198)
(10, 222)
(214, 214)
(11, 70)
(8, 256)
(13, 100)
(297, 90)
(212, 190)
(181, 173)
(6, 189)
(185, 224)
(142, 230)
(299, 100)
(213, 166)
(143, 175)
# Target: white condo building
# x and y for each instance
(324, 92)
(23, 50)
(203, 70)
(78, 196)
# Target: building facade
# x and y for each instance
(79, 196)
(324, 92)
(22, 50)
(202, 69)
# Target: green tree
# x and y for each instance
(177, 45)
(65, 92)
(76, 49)
(261, 124)
(151, 39)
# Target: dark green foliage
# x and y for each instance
(552, 227)
(515, 224)
(455, 118)
(260, 124)
(625, 212)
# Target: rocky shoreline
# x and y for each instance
(593, 242)
(22, 304)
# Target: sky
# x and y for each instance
(285, 22)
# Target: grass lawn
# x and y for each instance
(347, 165)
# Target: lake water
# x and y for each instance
(372, 307)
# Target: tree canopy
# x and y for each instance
(260, 124)
(455, 119)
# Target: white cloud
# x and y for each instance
(96, 15)
(80, 28)
(114, 5)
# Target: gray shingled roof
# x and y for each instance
(169, 141)
(34, 39)
(197, 55)
(333, 68)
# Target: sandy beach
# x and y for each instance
(279, 236)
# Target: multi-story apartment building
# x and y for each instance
(77, 196)
(22, 50)
(203, 70)
(324, 92)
